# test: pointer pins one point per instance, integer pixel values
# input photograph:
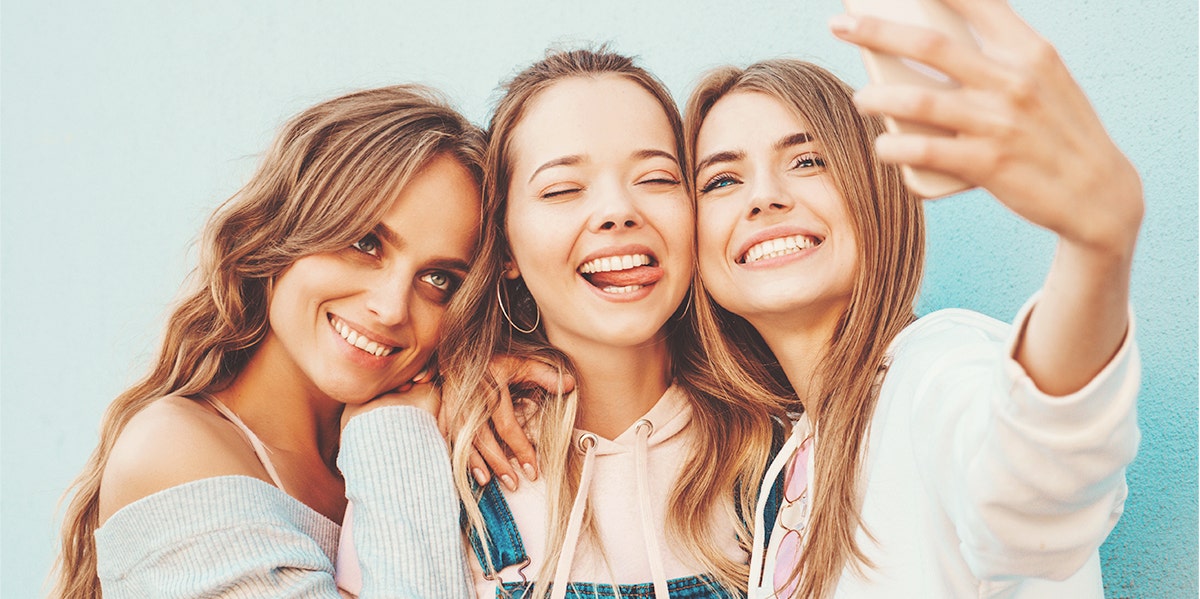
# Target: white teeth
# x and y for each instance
(781, 246)
(625, 289)
(359, 340)
(611, 263)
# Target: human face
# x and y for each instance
(774, 233)
(357, 322)
(598, 221)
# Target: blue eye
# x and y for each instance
(369, 245)
(808, 160)
(719, 181)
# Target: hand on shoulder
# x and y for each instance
(172, 441)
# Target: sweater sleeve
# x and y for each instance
(1032, 483)
(229, 536)
(405, 523)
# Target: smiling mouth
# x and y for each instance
(360, 340)
(781, 246)
(621, 274)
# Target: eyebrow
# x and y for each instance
(574, 159)
(570, 160)
(652, 153)
(393, 238)
(387, 234)
(794, 139)
(785, 142)
(450, 264)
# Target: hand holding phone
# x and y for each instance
(1023, 129)
(890, 69)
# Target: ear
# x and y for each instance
(511, 271)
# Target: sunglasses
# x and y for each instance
(793, 518)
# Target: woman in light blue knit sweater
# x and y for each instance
(321, 285)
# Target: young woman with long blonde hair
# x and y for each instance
(649, 469)
(950, 455)
(321, 285)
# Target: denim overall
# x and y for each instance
(507, 549)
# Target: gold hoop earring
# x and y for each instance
(500, 300)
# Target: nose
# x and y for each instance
(768, 196)
(390, 296)
(615, 209)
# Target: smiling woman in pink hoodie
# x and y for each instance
(650, 467)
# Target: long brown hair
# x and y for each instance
(327, 180)
(732, 414)
(889, 224)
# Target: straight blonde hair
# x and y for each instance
(732, 411)
(889, 225)
(327, 180)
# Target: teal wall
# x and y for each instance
(122, 124)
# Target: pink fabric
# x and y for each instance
(794, 516)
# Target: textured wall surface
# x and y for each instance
(124, 123)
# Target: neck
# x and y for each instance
(617, 386)
(800, 341)
(271, 397)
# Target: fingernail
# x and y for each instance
(843, 23)
(481, 477)
(420, 375)
(508, 481)
(514, 463)
(530, 471)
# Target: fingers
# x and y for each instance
(955, 55)
(504, 421)
(543, 375)
(995, 21)
(511, 369)
(479, 469)
(495, 459)
(964, 111)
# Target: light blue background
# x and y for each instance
(123, 124)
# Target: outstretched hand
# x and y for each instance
(1025, 130)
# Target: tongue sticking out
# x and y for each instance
(639, 275)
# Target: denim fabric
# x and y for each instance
(507, 549)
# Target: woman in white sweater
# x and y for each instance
(951, 455)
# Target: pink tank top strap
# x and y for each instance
(260, 450)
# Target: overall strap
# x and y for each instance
(503, 539)
(775, 496)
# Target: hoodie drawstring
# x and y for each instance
(562, 572)
(644, 429)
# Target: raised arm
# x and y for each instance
(1026, 133)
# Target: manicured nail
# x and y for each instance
(508, 481)
(843, 23)
(516, 466)
(481, 477)
(530, 471)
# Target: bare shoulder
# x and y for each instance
(172, 441)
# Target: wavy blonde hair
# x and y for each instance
(732, 411)
(327, 180)
(889, 226)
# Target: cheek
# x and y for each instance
(528, 233)
(677, 225)
(712, 237)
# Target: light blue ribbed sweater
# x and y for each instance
(237, 536)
